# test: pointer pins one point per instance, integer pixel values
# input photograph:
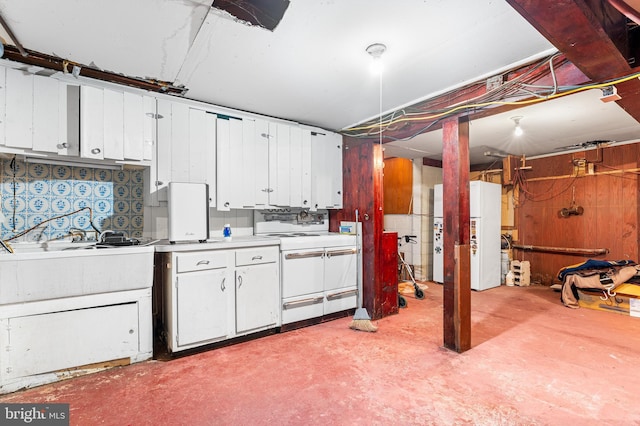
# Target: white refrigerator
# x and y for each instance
(485, 200)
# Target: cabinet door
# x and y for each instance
(229, 163)
(161, 168)
(326, 149)
(133, 126)
(3, 104)
(210, 154)
(306, 167)
(197, 146)
(19, 109)
(113, 124)
(46, 120)
(91, 122)
(261, 141)
(202, 306)
(180, 149)
(149, 128)
(335, 167)
(279, 164)
(257, 297)
(295, 166)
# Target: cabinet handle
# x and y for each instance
(202, 262)
(95, 151)
(226, 204)
(341, 294)
(265, 135)
(310, 301)
(339, 192)
(341, 252)
(159, 183)
(63, 145)
(304, 255)
(305, 202)
(239, 281)
(256, 258)
(267, 190)
(222, 286)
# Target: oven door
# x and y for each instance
(340, 279)
(302, 284)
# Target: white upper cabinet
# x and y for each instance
(19, 109)
(114, 124)
(92, 122)
(55, 125)
(185, 149)
(326, 154)
(230, 164)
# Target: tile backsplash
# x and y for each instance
(32, 193)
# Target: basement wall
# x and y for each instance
(604, 182)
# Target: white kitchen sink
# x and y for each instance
(72, 269)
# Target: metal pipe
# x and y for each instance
(13, 37)
(563, 250)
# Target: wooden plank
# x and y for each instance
(457, 285)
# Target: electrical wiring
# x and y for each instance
(6, 246)
(557, 93)
(26, 231)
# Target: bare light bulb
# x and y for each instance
(517, 130)
(376, 50)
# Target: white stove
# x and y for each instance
(318, 267)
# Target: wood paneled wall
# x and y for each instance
(609, 198)
(398, 186)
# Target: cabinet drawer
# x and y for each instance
(257, 255)
(199, 261)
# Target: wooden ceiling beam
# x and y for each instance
(593, 35)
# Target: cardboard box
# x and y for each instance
(625, 302)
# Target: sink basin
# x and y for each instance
(37, 274)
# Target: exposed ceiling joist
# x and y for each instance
(593, 35)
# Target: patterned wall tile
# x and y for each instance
(33, 193)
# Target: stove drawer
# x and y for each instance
(256, 256)
(201, 260)
(302, 308)
(340, 300)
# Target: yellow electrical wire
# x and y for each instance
(484, 104)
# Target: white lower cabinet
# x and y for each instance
(214, 295)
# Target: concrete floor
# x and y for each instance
(533, 362)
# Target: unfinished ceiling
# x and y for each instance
(312, 67)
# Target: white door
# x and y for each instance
(133, 126)
(92, 123)
(257, 304)
(201, 299)
(113, 124)
(46, 108)
(19, 109)
(261, 141)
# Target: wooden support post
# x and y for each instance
(457, 277)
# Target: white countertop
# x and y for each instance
(33, 251)
(163, 246)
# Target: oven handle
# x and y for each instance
(345, 293)
(310, 301)
(341, 252)
(304, 255)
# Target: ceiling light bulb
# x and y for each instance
(517, 130)
(376, 50)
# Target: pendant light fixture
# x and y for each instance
(517, 130)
